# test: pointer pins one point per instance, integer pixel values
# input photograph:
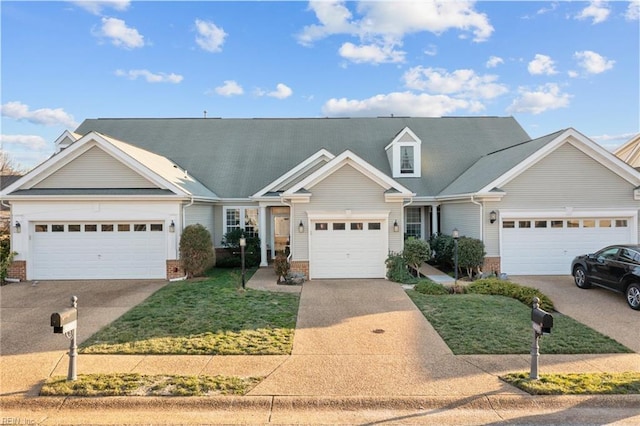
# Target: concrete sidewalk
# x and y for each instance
(361, 346)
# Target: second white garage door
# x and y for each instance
(348, 249)
(542, 246)
(98, 250)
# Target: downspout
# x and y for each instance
(184, 223)
(481, 217)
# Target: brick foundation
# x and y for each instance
(174, 269)
(17, 270)
(300, 266)
(491, 264)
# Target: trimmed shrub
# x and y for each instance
(231, 241)
(470, 255)
(397, 269)
(196, 250)
(498, 287)
(416, 252)
(442, 247)
(430, 287)
(281, 266)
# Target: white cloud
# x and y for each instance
(399, 103)
(573, 74)
(282, 92)
(372, 53)
(597, 11)
(150, 77)
(120, 35)
(633, 11)
(28, 141)
(384, 24)
(494, 61)
(541, 64)
(210, 37)
(592, 62)
(432, 50)
(96, 7)
(43, 116)
(229, 88)
(612, 142)
(544, 98)
(463, 83)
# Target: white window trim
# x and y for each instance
(242, 210)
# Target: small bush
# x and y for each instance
(196, 250)
(442, 247)
(397, 269)
(231, 240)
(416, 252)
(430, 287)
(281, 266)
(470, 255)
(498, 287)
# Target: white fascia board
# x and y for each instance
(398, 197)
(90, 197)
(581, 142)
(348, 157)
(566, 213)
(478, 196)
(300, 167)
(400, 135)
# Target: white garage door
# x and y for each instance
(533, 246)
(98, 250)
(348, 249)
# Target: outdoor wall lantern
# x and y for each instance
(18, 227)
(172, 227)
(301, 227)
(396, 228)
(493, 216)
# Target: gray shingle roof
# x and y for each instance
(237, 157)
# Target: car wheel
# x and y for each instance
(633, 296)
(580, 277)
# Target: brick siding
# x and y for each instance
(491, 264)
(300, 266)
(174, 269)
(17, 270)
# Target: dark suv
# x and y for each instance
(615, 267)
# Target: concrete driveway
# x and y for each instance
(601, 309)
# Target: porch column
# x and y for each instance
(262, 233)
(434, 219)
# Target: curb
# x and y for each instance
(275, 403)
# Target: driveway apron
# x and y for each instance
(364, 338)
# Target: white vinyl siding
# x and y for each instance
(567, 180)
(345, 190)
(202, 214)
(463, 216)
(95, 169)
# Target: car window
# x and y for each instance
(608, 254)
(629, 256)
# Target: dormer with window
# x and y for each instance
(404, 154)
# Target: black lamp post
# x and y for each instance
(243, 244)
(455, 236)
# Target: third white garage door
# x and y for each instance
(543, 246)
(348, 249)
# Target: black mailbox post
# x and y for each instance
(542, 323)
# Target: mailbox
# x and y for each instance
(542, 321)
(64, 321)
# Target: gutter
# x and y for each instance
(481, 217)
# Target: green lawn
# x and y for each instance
(148, 385)
(206, 316)
(484, 324)
(577, 384)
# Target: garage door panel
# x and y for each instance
(98, 254)
(550, 250)
(348, 253)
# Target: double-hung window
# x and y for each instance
(406, 160)
(413, 222)
(245, 218)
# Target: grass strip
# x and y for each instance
(486, 324)
(212, 316)
(577, 384)
(100, 385)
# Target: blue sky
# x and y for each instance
(551, 65)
